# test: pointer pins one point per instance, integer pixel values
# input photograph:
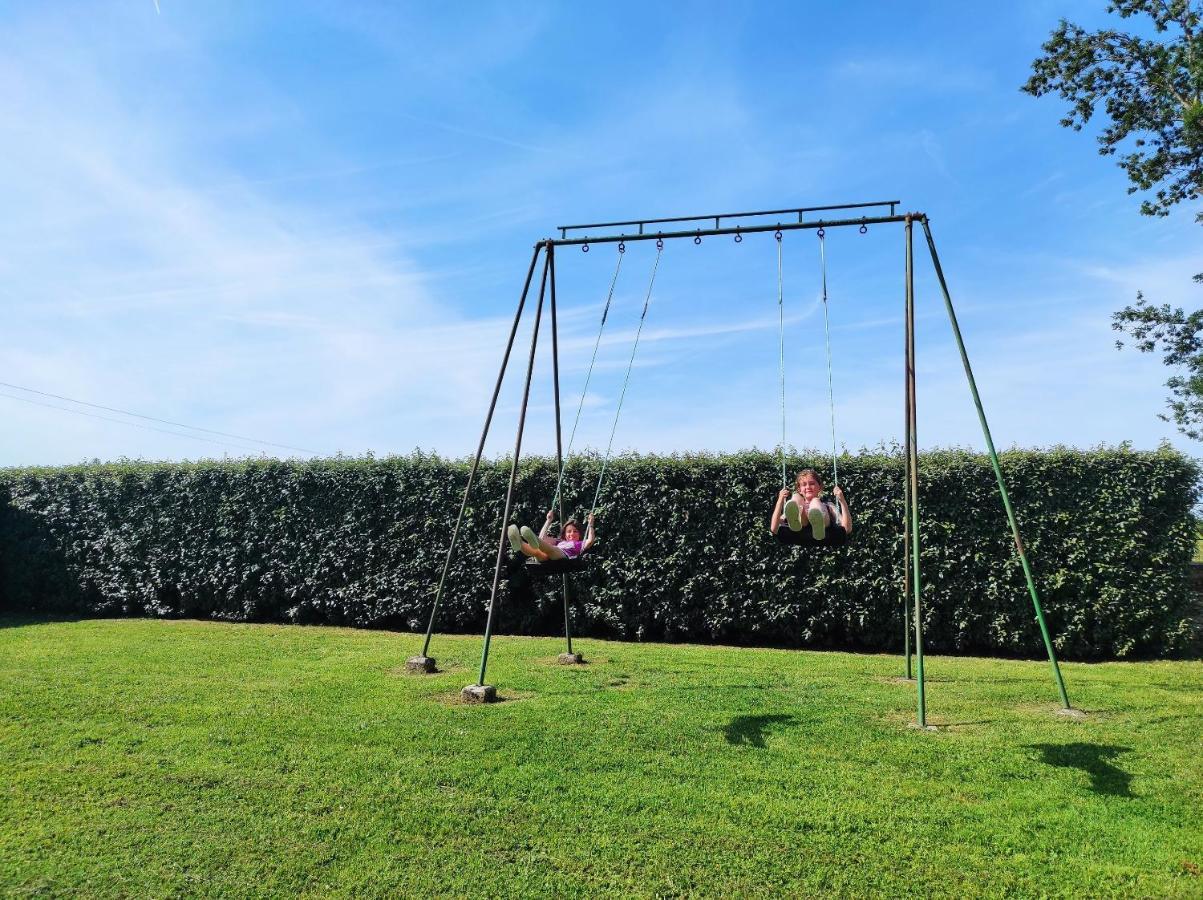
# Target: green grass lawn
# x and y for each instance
(149, 758)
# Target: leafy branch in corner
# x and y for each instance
(1150, 91)
(1180, 339)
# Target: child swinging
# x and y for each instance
(541, 549)
(810, 519)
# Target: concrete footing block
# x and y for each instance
(479, 693)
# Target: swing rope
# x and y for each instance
(835, 468)
(589, 375)
(627, 380)
(781, 351)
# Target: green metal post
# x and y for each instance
(1002, 487)
(913, 466)
(480, 449)
(509, 494)
(555, 372)
(906, 481)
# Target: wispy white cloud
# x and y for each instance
(208, 230)
(135, 284)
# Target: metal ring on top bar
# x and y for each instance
(864, 229)
(821, 233)
(622, 246)
(697, 239)
(777, 235)
(659, 243)
(738, 237)
(584, 248)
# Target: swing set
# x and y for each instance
(777, 222)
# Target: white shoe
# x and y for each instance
(793, 515)
(515, 537)
(818, 526)
(528, 535)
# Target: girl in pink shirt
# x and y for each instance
(542, 547)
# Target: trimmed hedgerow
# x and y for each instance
(683, 553)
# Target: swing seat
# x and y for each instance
(523, 568)
(566, 566)
(836, 536)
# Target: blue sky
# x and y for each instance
(308, 223)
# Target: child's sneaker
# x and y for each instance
(528, 535)
(793, 515)
(818, 527)
(515, 537)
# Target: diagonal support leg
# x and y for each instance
(471, 691)
(425, 663)
(1002, 486)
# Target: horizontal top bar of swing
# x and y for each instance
(799, 210)
(714, 232)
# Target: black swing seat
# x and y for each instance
(565, 566)
(532, 568)
(836, 536)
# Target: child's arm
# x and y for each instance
(589, 535)
(551, 514)
(775, 522)
(845, 512)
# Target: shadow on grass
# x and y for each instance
(750, 730)
(1093, 759)
(19, 619)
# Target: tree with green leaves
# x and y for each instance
(1149, 89)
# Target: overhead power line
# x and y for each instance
(125, 412)
(80, 412)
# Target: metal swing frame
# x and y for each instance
(739, 225)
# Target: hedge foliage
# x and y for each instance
(683, 551)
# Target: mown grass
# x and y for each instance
(151, 758)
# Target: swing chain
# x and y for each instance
(589, 374)
(626, 381)
(835, 466)
(781, 348)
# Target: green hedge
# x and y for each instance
(684, 552)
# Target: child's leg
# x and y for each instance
(533, 552)
(822, 508)
(816, 514)
(515, 537)
(552, 551)
(548, 548)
